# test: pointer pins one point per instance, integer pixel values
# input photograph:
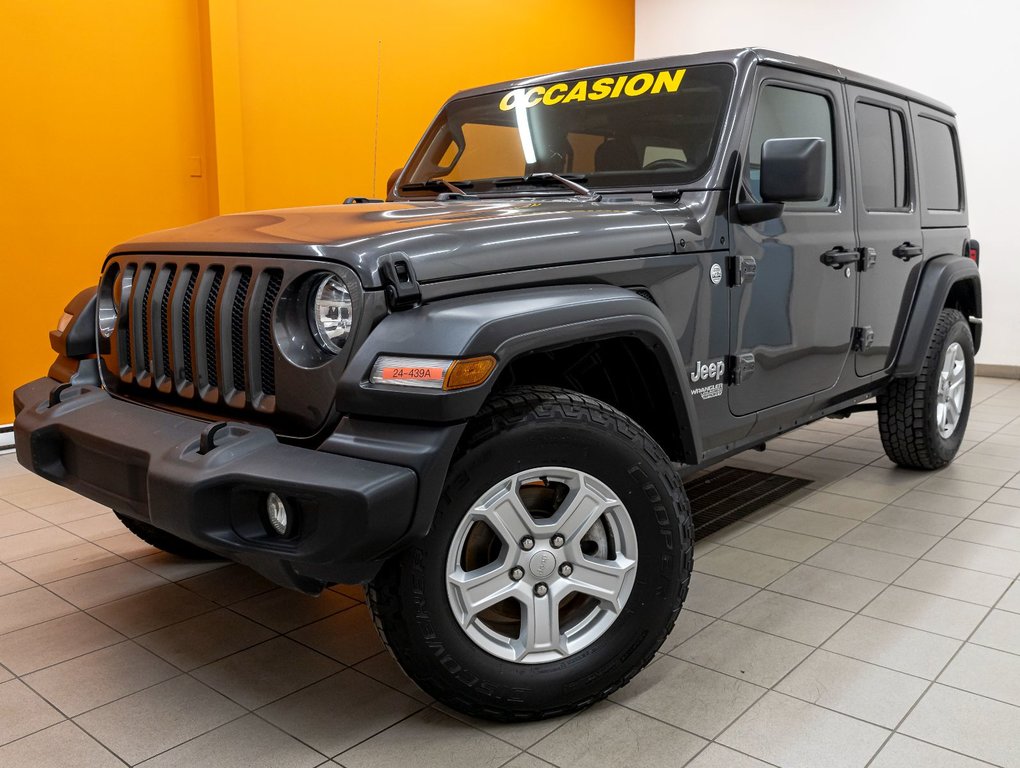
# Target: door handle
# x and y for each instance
(839, 257)
(907, 251)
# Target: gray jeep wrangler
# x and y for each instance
(479, 397)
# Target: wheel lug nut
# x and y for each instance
(557, 541)
(541, 589)
(517, 573)
(566, 569)
(527, 543)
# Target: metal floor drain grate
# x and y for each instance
(726, 495)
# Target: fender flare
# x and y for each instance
(940, 275)
(508, 324)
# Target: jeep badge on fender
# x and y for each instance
(479, 397)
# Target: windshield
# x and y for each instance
(640, 129)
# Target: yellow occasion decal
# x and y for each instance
(603, 88)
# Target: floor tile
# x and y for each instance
(989, 534)
(843, 452)
(786, 731)
(64, 563)
(229, 585)
(52, 642)
(127, 545)
(106, 585)
(30, 606)
(204, 639)
(958, 583)
(146, 723)
(932, 613)
(266, 672)
(14, 521)
(1011, 600)
(936, 502)
(777, 543)
(688, 624)
(1000, 629)
(75, 508)
(97, 678)
(842, 506)
(860, 561)
(314, 714)
(959, 488)
(12, 581)
(24, 712)
(1008, 496)
(718, 756)
(742, 652)
(522, 735)
(820, 469)
(986, 672)
(967, 723)
(976, 474)
(894, 646)
(248, 742)
(789, 617)
(524, 760)
(713, 596)
(865, 691)
(711, 700)
(1002, 514)
(40, 497)
(904, 752)
(63, 745)
(742, 565)
(429, 739)
(349, 636)
(95, 527)
(609, 734)
(977, 557)
(863, 489)
(811, 523)
(918, 520)
(148, 611)
(840, 590)
(383, 668)
(285, 610)
(174, 568)
(880, 537)
(22, 545)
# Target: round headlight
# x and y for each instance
(332, 313)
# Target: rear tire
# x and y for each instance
(922, 419)
(606, 515)
(160, 539)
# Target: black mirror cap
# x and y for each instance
(792, 170)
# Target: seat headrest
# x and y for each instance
(616, 155)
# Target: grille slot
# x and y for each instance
(198, 332)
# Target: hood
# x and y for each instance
(443, 239)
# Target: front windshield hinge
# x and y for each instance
(670, 193)
(400, 284)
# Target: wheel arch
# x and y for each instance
(948, 281)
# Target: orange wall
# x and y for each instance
(110, 108)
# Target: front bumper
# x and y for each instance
(149, 464)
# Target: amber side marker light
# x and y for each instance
(470, 372)
(432, 373)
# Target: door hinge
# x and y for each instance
(863, 338)
(868, 257)
(741, 367)
(742, 269)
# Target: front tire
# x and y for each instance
(922, 419)
(557, 563)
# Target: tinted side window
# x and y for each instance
(880, 138)
(785, 113)
(936, 151)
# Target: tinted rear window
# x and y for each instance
(936, 150)
(880, 138)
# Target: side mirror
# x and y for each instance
(792, 170)
(391, 182)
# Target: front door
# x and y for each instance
(888, 220)
(797, 314)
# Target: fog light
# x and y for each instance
(276, 512)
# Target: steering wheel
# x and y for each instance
(665, 162)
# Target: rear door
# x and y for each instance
(888, 220)
(795, 317)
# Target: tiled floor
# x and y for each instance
(873, 619)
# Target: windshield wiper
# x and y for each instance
(438, 184)
(538, 178)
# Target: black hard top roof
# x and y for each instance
(739, 57)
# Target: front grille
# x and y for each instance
(200, 332)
